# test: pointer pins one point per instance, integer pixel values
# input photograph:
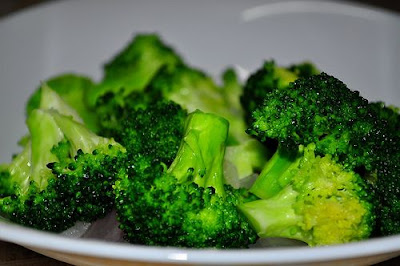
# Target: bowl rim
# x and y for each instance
(89, 247)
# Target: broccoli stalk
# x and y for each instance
(200, 156)
(73, 90)
(187, 204)
(310, 198)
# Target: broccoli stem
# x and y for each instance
(45, 133)
(20, 168)
(200, 156)
(79, 136)
(276, 217)
(277, 173)
(49, 99)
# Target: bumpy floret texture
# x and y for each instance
(154, 131)
(133, 68)
(186, 204)
(171, 214)
(64, 174)
(312, 199)
(271, 77)
(322, 110)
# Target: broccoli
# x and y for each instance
(185, 204)
(63, 175)
(312, 199)
(74, 90)
(389, 113)
(133, 68)
(332, 147)
(193, 89)
(171, 79)
(126, 76)
(268, 78)
(113, 109)
(154, 131)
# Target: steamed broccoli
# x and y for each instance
(389, 113)
(312, 199)
(63, 175)
(133, 68)
(322, 176)
(268, 78)
(154, 131)
(113, 109)
(172, 79)
(193, 89)
(187, 204)
(73, 89)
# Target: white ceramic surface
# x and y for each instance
(359, 45)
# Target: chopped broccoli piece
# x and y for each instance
(388, 113)
(268, 78)
(133, 68)
(155, 131)
(322, 110)
(114, 108)
(345, 143)
(312, 199)
(171, 80)
(63, 175)
(187, 204)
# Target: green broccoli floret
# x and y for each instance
(171, 79)
(345, 142)
(64, 174)
(312, 199)
(323, 110)
(187, 204)
(133, 68)
(389, 113)
(73, 90)
(193, 89)
(113, 109)
(154, 132)
(268, 78)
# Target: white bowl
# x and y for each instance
(359, 45)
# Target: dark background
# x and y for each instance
(9, 6)
(13, 255)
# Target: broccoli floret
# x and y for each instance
(73, 90)
(113, 109)
(312, 199)
(133, 68)
(189, 87)
(64, 174)
(268, 78)
(349, 146)
(171, 80)
(323, 110)
(193, 89)
(187, 204)
(155, 131)
(389, 113)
